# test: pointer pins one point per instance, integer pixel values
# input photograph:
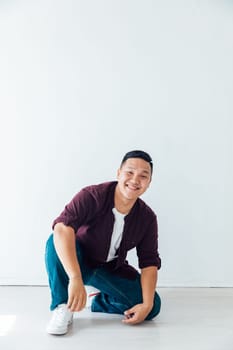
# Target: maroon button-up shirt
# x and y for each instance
(90, 215)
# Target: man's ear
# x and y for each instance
(150, 181)
(118, 173)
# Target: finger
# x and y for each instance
(79, 303)
(83, 301)
(131, 320)
(72, 305)
(70, 301)
(129, 311)
(128, 316)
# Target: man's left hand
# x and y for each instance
(136, 314)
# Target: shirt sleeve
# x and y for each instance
(147, 249)
(78, 211)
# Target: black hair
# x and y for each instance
(138, 154)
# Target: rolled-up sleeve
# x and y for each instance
(147, 249)
(77, 211)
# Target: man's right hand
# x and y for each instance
(77, 295)
(65, 245)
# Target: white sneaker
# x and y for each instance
(60, 321)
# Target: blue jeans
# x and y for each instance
(117, 293)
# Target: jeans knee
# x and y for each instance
(49, 243)
(50, 252)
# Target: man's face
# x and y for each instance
(134, 178)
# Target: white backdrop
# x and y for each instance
(82, 83)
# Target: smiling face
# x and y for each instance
(134, 178)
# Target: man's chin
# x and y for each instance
(131, 194)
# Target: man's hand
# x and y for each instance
(136, 314)
(77, 295)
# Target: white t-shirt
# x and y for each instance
(116, 234)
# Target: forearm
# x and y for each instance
(148, 284)
(64, 241)
(65, 245)
(138, 312)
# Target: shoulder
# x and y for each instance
(101, 188)
(146, 210)
(100, 191)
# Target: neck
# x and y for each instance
(123, 205)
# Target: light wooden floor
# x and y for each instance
(190, 319)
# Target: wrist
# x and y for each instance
(148, 305)
(74, 277)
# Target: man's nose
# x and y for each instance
(135, 178)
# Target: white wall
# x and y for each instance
(83, 82)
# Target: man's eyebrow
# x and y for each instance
(132, 168)
(146, 171)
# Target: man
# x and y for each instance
(89, 246)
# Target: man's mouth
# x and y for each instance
(132, 188)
